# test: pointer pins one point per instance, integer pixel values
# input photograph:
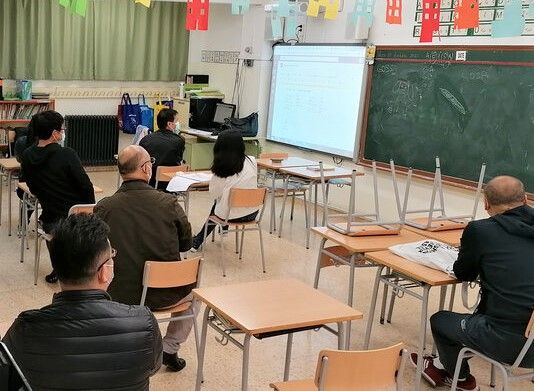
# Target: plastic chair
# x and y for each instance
(366, 370)
(173, 274)
(168, 169)
(507, 371)
(241, 198)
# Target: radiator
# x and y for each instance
(94, 137)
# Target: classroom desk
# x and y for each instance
(406, 275)
(274, 167)
(268, 308)
(195, 186)
(451, 237)
(8, 167)
(313, 177)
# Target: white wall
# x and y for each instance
(257, 81)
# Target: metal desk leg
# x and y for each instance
(307, 221)
(342, 340)
(372, 308)
(288, 356)
(453, 293)
(286, 182)
(315, 205)
(351, 289)
(384, 299)
(318, 267)
(202, 349)
(9, 186)
(422, 337)
(244, 370)
(272, 222)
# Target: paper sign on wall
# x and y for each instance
(512, 22)
(197, 14)
(331, 8)
(466, 14)
(430, 22)
(239, 7)
(146, 3)
(394, 12)
(363, 9)
(77, 6)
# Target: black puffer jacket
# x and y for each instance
(85, 341)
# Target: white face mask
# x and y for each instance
(61, 141)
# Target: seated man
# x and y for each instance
(83, 340)
(500, 251)
(54, 174)
(147, 224)
(165, 145)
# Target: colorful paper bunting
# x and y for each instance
(430, 22)
(394, 12)
(239, 7)
(77, 6)
(331, 8)
(363, 9)
(197, 14)
(466, 14)
(146, 3)
(512, 23)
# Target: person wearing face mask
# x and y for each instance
(166, 146)
(83, 340)
(53, 173)
(147, 224)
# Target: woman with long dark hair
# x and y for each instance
(231, 168)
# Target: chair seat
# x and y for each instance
(295, 385)
(177, 308)
(220, 221)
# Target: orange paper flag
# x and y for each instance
(466, 14)
(430, 22)
(394, 12)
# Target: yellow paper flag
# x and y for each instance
(146, 3)
(331, 8)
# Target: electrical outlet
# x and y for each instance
(248, 62)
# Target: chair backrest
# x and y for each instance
(360, 370)
(173, 274)
(274, 155)
(81, 208)
(247, 198)
(530, 327)
(166, 169)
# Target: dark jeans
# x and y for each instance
(199, 237)
(453, 331)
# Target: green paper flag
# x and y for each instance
(77, 6)
(64, 3)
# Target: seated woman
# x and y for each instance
(231, 169)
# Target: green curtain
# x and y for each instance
(117, 40)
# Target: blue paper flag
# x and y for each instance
(512, 22)
(276, 25)
(291, 22)
(239, 7)
(283, 8)
(364, 9)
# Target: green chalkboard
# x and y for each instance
(423, 104)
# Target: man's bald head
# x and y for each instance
(131, 160)
(505, 191)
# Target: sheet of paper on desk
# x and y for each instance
(182, 181)
(196, 176)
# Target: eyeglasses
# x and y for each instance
(151, 161)
(113, 255)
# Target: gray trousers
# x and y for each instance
(453, 331)
(179, 330)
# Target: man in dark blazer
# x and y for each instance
(83, 340)
(147, 224)
(499, 251)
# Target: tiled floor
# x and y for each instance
(286, 257)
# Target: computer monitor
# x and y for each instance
(11, 377)
(222, 111)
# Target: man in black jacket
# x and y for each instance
(500, 251)
(83, 340)
(54, 174)
(165, 145)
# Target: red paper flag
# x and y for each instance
(466, 14)
(394, 12)
(197, 14)
(430, 22)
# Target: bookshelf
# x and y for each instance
(21, 111)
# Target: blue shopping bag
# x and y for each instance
(146, 113)
(129, 113)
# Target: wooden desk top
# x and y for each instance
(9, 164)
(97, 189)
(24, 187)
(451, 237)
(364, 244)
(275, 305)
(304, 172)
(291, 161)
(411, 269)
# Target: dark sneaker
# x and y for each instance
(433, 375)
(52, 277)
(469, 384)
(173, 362)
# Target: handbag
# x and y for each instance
(146, 113)
(248, 126)
(160, 105)
(128, 114)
